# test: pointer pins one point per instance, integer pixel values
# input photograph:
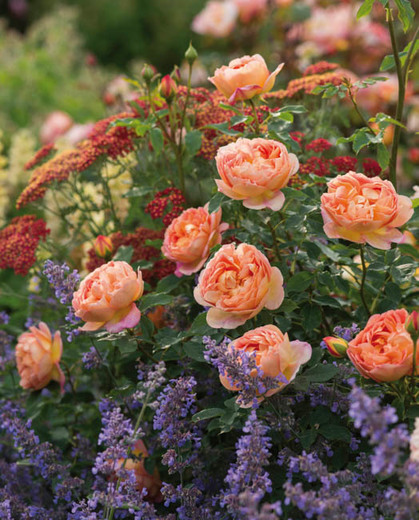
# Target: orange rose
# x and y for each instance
(364, 210)
(383, 351)
(151, 483)
(189, 238)
(37, 356)
(237, 284)
(254, 171)
(244, 78)
(217, 19)
(106, 297)
(275, 355)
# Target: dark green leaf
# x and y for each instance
(383, 155)
(312, 316)
(209, 413)
(151, 300)
(406, 13)
(194, 350)
(335, 432)
(307, 438)
(193, 142)
(300, 282)
(321, 373)
(168, 283)
(216, 201)
(124, 254)
(157, 140)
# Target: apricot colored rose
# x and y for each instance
(364, 210)
(383, 351)
(275, 355)
(254, 171)
(106, 297)
(189, 238)
(237, 284)
(244, 78)
(37, 356)
(151, 483)
(217, 19)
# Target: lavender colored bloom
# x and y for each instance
(175, 403)
(91, 359)
(241, 370)
(346, 333)
(375, 422)
(4, 318)
(247, 473)
(64, 284)
(7, 353)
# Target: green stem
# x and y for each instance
(255, 116)
(364, 276)
(274, 239)
(400, 101)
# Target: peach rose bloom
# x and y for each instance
(151, 483)
(189, 238)
(237, 284)
(250, 9)
(244, 78)
(254, 171)
(383, 351)
(275, 355)
(106, 297)
(37, 356)
(364, 210)
(217, 19)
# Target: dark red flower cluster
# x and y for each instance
(137, 240)
(297, 136)
(317, 165)
(41, 154)
(113, 142)
(370, 167)
(344, 163)
(158, 206)
(319, 145)
(18, 243)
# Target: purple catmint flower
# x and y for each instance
(4, 318)
(247, 474)
(346, 333)
(241, 370)
(7, 353)
(91, 359)
(64, 284)
(175, 404)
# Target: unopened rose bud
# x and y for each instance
(147, 73)
(175, 75)
(191, 54)
(167, 88)
(412, 325)
(336, 346)
(103, 246)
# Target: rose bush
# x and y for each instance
(241, 338)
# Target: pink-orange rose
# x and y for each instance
(254, 171)
(364, 210)
(244, 78)
(106, 297)
(217, 19)
(383, 351)
(275, 355)
(54, 126)
(37, 357)
(189, 238)
(237, 284)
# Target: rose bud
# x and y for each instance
(103, 246)
(167, 88)
(336, 346)
(412, 325)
